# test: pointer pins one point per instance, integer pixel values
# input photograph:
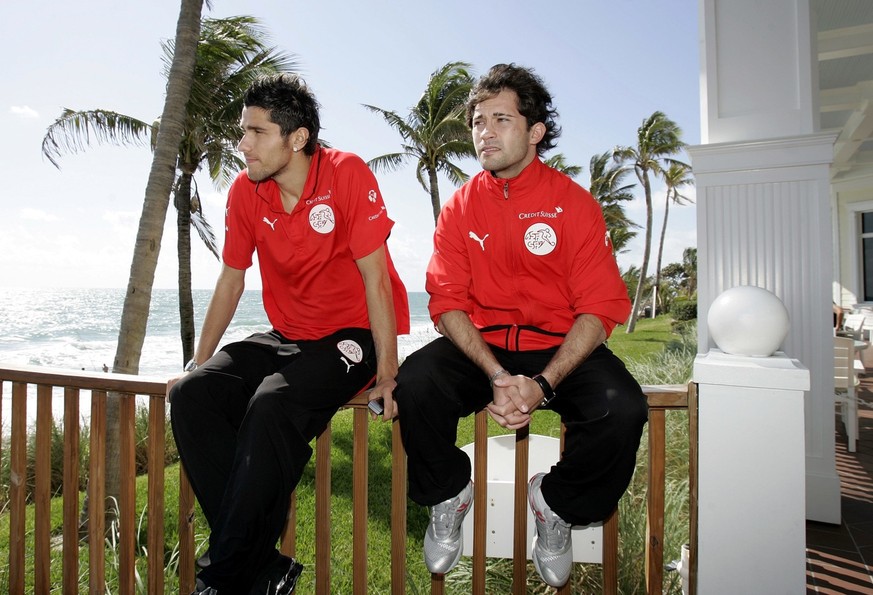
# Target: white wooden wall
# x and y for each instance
(763, 197)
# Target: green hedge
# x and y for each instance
(683, 310)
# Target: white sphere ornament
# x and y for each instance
(748, 320)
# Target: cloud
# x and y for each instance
(122, 219)
(31, 214)
(24, 112)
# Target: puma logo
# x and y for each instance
(481, 241)
(351, 353)
(272, 223)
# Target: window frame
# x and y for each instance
(854, 214)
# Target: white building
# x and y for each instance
(785, 182)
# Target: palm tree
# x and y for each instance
(230, 55)
(676, 176)
(689, 264)
(435, 132)
(657, 138)
(559, 162)
(608, 186)
(137, 299)
(195, 113)
(605, 186)
(631, 278)
(621, 237)
(682, 276)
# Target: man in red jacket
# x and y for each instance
(525, 290)
(243, 416)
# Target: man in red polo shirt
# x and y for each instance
(524, 287)
(243, 417)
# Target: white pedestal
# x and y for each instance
(543, 452)
(751, 490)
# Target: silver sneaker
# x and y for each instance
(552, 545)
(444, 540)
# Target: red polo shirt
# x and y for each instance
(526, 255)
(311, 284)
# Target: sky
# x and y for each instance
(608, 64)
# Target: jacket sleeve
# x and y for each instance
(448, 272)
(596, 283)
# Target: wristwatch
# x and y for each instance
(548, 391)
(191, 365)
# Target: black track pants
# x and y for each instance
(243, 422)
(601, 404)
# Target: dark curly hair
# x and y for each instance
(290, 103)
(534, 100)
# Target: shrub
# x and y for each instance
(683, 310)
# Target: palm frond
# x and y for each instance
(223, 167)
(455, 174)
(559, 162)
(394, 120)
(388, 163)
(420, 170)
(205, 231)
(456, 149)
(74, 131)
(677, 175)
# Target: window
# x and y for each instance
(867, 254)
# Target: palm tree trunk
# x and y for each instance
(434, 193)
(660, 253)
(647, 251)
(183, 249)
(135, 312)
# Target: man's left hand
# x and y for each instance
(514, 400)
(384, 390)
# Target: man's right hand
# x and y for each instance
(508, 401)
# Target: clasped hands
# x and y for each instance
(515, 398)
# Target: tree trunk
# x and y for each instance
(647, 251)
(434, 193)
(660, 254)
(135, 312)
(183, 248)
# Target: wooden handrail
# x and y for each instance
(103, 386)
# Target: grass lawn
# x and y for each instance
(650, 336)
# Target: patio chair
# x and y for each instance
(845, 387)
(853, 326)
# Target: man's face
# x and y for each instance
(266, 151)
(504, 143)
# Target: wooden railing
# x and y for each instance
(100, 385)
(126, 388)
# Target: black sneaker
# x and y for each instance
(279, 578)
(203, 561)
(294, 569)
(200, 588)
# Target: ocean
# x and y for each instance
(78, 329)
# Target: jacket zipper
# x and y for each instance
(515, 264)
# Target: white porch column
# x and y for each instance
(763, 197)
(751, 521)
